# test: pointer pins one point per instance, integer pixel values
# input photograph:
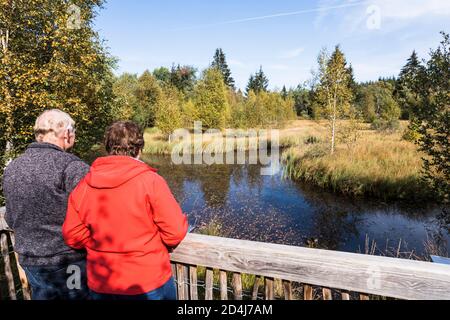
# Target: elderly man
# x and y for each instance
(37, 186)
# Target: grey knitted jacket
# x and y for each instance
(37, 186)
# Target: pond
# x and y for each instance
(274, 209)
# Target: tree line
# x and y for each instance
(176, 97)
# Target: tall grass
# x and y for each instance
(378, 165)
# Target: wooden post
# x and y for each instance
(193, 282)
(269, 290)
(237, 286)
(223, 285)
(209, 281)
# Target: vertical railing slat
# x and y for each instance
(237, 286)
(175, 276)
(345, 295)
(186, 282)
(256, 288)
(269, 288)
(209, 283)
(327, 294)
(223, 285)
(287, 289)
(9, 277)
(180, 282)
(308, 292)
(193, 282)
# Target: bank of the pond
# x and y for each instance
(378, 165)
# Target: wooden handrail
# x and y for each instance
(383, 276)
(389, 277)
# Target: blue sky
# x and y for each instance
(284, 36)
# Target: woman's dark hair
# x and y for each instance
(124, 138)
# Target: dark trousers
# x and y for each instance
(63, 282)
(166, 292)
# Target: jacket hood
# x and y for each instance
(113, 171)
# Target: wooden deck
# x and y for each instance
(210, 268)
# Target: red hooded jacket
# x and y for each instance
(126, 217)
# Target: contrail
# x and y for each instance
(278, 15)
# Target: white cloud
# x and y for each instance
(291, 54)
(411, 9)
(393, 13)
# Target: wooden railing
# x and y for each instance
(210, 268)
(301, 273)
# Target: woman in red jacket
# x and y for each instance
(125, 216)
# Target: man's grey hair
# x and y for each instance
(53, 121)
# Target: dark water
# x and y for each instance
(274, 209)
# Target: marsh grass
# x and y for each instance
(378, 165)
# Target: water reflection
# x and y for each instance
(277, 210)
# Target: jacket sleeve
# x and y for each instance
(167, 214)
(76, 234)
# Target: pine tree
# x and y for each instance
(220, 63)
(258, 82)
(408, 85)
(284, 93)
(352, 82)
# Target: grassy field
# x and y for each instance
(377, 164)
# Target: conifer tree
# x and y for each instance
(258, 82)
(220, 63)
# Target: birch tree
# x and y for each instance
(333, 92)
